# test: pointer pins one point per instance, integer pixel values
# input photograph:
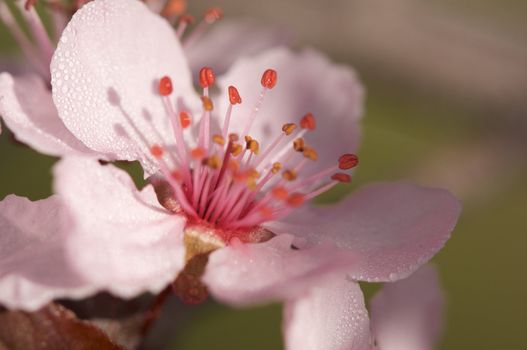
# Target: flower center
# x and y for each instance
(230, 182)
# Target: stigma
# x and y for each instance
(231, 182)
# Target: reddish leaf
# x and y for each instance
(51, 328)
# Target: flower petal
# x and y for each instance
(307, 82)
(125, 241)
(105, 73)
(27, 109)
(408, 314)
(395, 227)
(243, 274)
(34, 267)
(228, 40)
(330, 316)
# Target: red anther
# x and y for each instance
(280, 193)
(234, 96)
(177, 175)
(266, 212)
(165, 86)
(341, 177)
(156, 151)
(212, 15)
(348, 161)
(206, 77)
(184, 119)
(269, 78)
(197, 153)
(308, 122)
(295, 200)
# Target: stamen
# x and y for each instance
(289, 175)
(207, 103)
(308, 122)
(218, 139)
(280, 193)
(197, 153)
(310, 153)
(341, 177)
(182, 25)
(298, 144)
(206, 77)
(269, 78)
(234, 96)
(184, 119)
(173, 8)
(348, 161)
(157, 151)
(295, 200)
(213, 14)
(165, 86)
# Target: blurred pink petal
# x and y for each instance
(28, 111)
(34, 266)
(329, 316)
(307, 83)
(408, 314)
(394, 227)
(233, 39)
(105, 78)
(242, 274)
(124, 241)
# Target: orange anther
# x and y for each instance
(174, 8)
(236, 149)
(288, 128)
(218, 139)
(308, 122)
(276, 167)
(157, 151)
(212, 162)
(299, 144)
(234, 96)
(197, 153)
(348, 161)
(184, 119)
(253, 146)
(280, 193)
(269, 78)
(212, 15)
(310, 153)
(206, 77)
(341, 177)
(207, 103)
(289, 175)
(165, 86)
(295, 200)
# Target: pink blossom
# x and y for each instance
(26, 104)
(123, 89)
(408, 314)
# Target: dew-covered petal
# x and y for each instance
(307, 83)
(408, 314)
(395, 227)
(105, 76)
(125, 242)
(34, 266)
(243, 274)
(329, 316)
(28, 111)
(228, 40)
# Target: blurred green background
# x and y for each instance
(446, 106)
